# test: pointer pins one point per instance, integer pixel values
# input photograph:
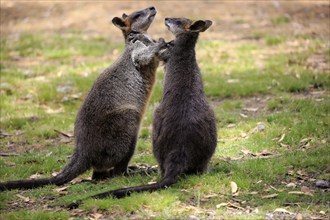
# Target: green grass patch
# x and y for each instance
(273, 40)
(281, 20)
(290, 99)
(37, 214)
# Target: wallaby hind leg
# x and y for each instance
(197, 170)
(101, 175)
(121, 167)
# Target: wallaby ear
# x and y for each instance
(124, 16)
(200, 26)
(208, 24)
(119, 22)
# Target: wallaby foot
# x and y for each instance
(101, 175)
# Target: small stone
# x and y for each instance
(261, 127)
(64, 89)
(231, 125)
(322, 184)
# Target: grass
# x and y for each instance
(42, 87)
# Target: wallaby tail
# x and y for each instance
(73, 169)
(174, 167)
(120, 193)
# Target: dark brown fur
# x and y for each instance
(108, 121)
(184, 127)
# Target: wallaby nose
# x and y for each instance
(166, 19)
(152, 8)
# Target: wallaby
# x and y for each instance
(108, 121)
(184, 126)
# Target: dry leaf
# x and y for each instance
(284, 145)
(243, 135)
(49, 110)
(231, 125)
(221, 205)
(251, 109)
(35, 176)
(236, 158)
(297, 192)
(233, 187)
(302, 175)
(269, 196)
(61, 189)
(243, 115)
(212, 195)
(9, 163)
(232, 205)
(239, 200)
(283, 211)
(232, 81)
(190, 207)
(305, 141)
(306, 190)
(264, 153)
(299, 216)
(244, 151)
(281, 138)
(291, 172)
(55, 173)
(291, 185)
(68, 135)
(278, 190)
(26, 199)
(96, 216)
(3, 154)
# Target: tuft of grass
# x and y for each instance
(281, 20)
(36, 214)
(273, 40)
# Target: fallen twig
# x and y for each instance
(4, 134)
(3, 154)
(64, 134)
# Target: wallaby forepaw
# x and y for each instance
(161, 40)
(136, 64)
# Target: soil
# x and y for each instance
(233, 20)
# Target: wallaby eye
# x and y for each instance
(178, 22)
(136, 16)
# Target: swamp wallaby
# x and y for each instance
(184, 127)
(108, 121)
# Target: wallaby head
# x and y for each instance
(184, 25)
(137, 21)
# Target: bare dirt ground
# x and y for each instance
(233, 20)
